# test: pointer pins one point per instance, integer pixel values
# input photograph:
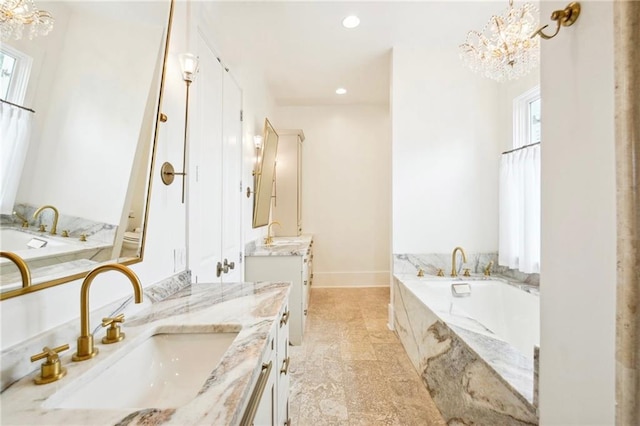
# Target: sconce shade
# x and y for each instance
(257, 140)
(189, 66)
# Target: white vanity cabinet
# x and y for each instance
(294, 266)
(287, 206)
(273, 408)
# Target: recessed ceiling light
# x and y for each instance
(351, 21)
(341, 91)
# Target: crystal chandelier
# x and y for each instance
(18, 16)
(505, 49)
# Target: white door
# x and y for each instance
(205, 174)
(231, 178)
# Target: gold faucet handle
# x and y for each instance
(42, 228)
(83, 237)
(65, 233)
(467, 272)
(487, 269)
(50, 370)
(440, 273)
(113, 332)
(420, 272)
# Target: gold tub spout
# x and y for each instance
(454, 270)
(22, 267)
(86, 349)
(54, 225)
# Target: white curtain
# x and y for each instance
(519, 239)
(15, 124)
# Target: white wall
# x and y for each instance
(578, 275)
(445, 154)
(346, 190)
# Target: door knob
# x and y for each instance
(228, 265)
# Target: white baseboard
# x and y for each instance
(351, 279)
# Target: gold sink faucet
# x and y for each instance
(86, 349)
(55, 217)
(269, 239)
(454, 270)
(22, 267)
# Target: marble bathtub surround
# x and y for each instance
(627, 134)
(280, 246)
(358, 374)
(472, 377)
(252, 309)
(407, 265)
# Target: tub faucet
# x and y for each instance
(85, 341)
(25, 274)
(55, 217)
(454, 270)
(25, 221)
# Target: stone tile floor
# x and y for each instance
(351, 369)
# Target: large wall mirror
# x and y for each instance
(79, 162)
(265, 176)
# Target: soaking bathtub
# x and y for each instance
(475, 352)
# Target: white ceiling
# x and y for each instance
(304, 53)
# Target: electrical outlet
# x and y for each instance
(179, 260)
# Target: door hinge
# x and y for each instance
(240, 257)
(241, 115)
(240, 186)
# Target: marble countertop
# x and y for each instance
(282, 246)
(253, 308)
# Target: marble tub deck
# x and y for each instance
(252, 308)
(473, 378)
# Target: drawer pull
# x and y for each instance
(284, 319)
(256, 396)
(305, 282)
(285, 366)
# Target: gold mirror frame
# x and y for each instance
(265, 176)
(140, 258)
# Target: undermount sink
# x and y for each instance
(167, 370)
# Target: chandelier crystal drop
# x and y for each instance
(504, 50)
(20, 16)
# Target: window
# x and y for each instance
(519, 226)
(15, 68)
(526, 118)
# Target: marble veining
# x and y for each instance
(405, 266)
(472, 377)
(250, 308)
(282, 246)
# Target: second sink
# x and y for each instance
(164, 371)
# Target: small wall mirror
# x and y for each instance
(94, 84)
(265, 176)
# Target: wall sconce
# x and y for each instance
(257, 141)
(189, 67)
(565, 18)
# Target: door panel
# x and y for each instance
(205, 176)
(231, 176)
